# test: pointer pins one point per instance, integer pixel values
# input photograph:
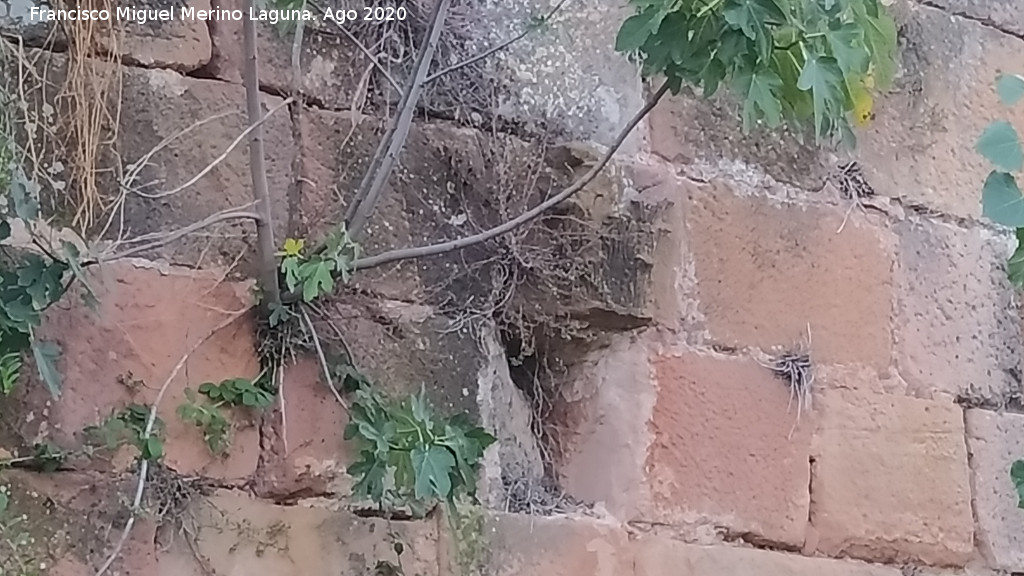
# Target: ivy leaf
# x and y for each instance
(318, 280)
(432, 467)
(1010, 88)
(1000, 144)
(1015, 266)
(752, 17)
(369, 471)
(760, 88)
(636, 29)
(847, 45)
(1017, 475)
(880, 39)
(822, 77)
(46, 355)
(1001, 200)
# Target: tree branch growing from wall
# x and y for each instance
(266, 246)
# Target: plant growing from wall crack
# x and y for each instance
(208, 415)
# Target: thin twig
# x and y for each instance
(323, 359)
(223, 216)
(257, 168)
(144, 464)
(372, 185)
(487, 53)
(461, 243)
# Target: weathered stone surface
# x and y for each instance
(705, 139)
(608, 400)
(187, 124)
(521, 545)
(240, 535)
(921, 145)
(664, 557)
(727, 450)
(332, 67)
(177, 43)
(71, 522)
(1006, 15)
(890, 480)
(123, 353)
(995, 442)
(765, 271)
(568, 73)
(957, 329)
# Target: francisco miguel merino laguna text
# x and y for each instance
(142, 16)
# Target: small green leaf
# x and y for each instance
(24, 193)
(154, 449)
(46, 355)
(1000, 144)
(5, 230)
(1001, 200)
(432, 467)
(1010, 88)
(1017, 475)
(1015, 265)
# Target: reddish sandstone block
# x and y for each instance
(995, 442)
(890, 479)
(664, 557)
(957, 327)
(765, 270)
(145, 323)
(723, 450)
(520, 545)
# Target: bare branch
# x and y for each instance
(494, 50)
(323, 359)
(164, 239)
(258, 169)
(535, 212)
(144, 464)
(253, 127)
(376, 176)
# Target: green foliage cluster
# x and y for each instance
(409, 456)
(29, 284)
(804, 63)
(128, 426)
(1001, 199)
(209, 414)
(314, 273)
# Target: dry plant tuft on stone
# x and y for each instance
(795, 369)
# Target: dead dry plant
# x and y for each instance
(91, 97)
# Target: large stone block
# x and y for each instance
(125, 351)
(957, 326)
(71, 522)
(664, 557)
(767, 271)
(501, 544)
(177, 43)
(890, 481)
(727, 449)
(995, 442)
(921, 145)
(241, 535)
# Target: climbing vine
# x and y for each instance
(803, 63)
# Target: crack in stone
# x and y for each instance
(986, 22)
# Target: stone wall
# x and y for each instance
(713, 250)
